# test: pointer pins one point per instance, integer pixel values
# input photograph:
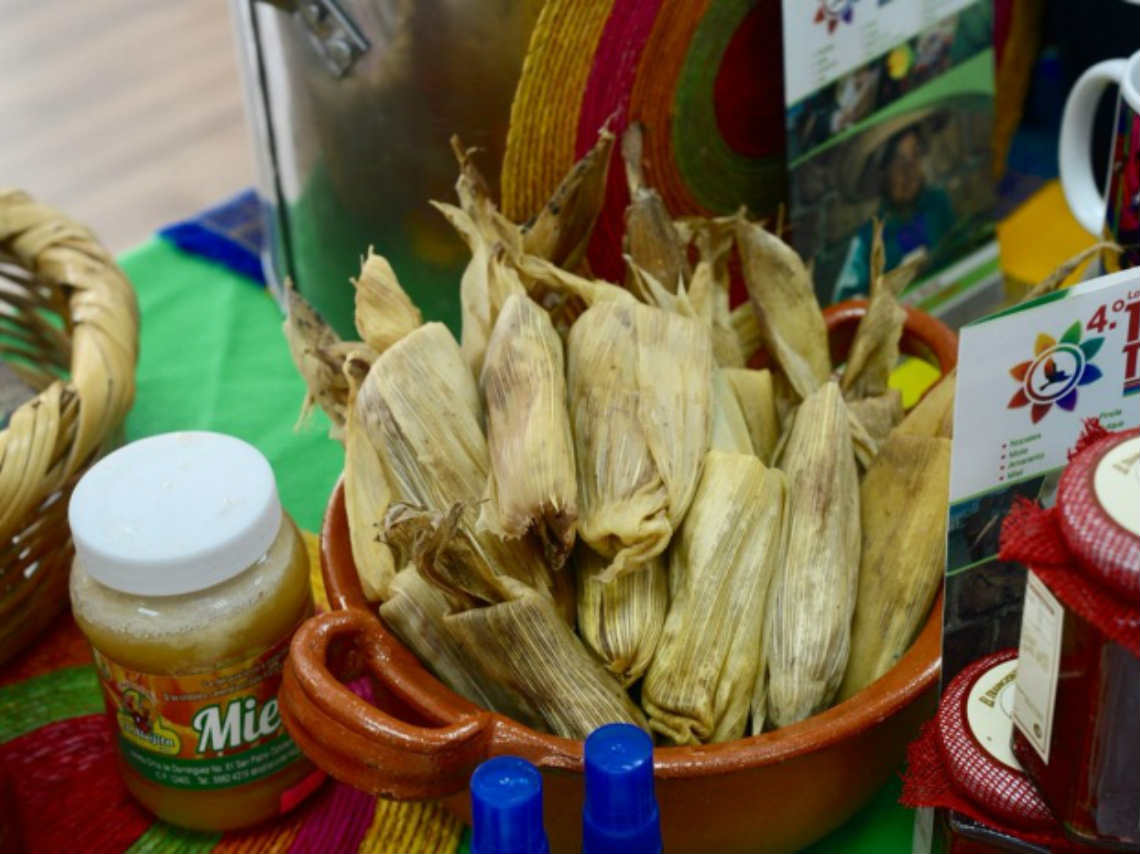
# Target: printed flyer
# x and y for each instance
(889, 113)
(1027, 380)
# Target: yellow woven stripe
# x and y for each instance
(313, 545)
(544, 114)
(413, 827)
(275, 838)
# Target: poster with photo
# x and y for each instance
(1027, 380)
(889, 114)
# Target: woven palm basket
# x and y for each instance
(69, 327)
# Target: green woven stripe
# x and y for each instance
(162, 838)
(66, 693)
(718, 177)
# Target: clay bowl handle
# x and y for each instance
(374, 747)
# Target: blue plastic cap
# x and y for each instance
(506, 808)
(620, 816)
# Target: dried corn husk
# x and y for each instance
(757, 401)
(540, 277)
(709, 287)
(791, 323)
(366, 497)
(319, 354)
(474, 196)
(760, 689)
(700, 685)
(730, 431)
(903, 502)
(416, 612)
(808, 629)
(420, 408)
(934, 414)
(639, 380)
(532, 487)
(527, 647)
(560, 232)
(384, 312)
(621, 620)
(875, 348)
(879, 415)
(746, 326)
(651, 239)
(487, 282)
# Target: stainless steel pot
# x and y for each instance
(352, 104)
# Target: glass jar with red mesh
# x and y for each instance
(1076, 731)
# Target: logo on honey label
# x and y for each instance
(207, 730)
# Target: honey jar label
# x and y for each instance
(1039, 661)
(208, 730)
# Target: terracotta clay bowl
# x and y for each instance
(418, 739)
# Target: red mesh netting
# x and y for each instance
(927, 783)
(1037, 537)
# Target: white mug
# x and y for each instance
(1114, 215)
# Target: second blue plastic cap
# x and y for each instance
(621, 809)
(506, 808)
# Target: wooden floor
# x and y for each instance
(126, 114)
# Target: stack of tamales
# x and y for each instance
(589, 509)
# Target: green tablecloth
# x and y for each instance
(213, 358)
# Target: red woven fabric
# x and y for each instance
(1044, 540)
(61, 766)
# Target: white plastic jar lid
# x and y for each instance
(175, 513)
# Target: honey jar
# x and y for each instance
(972, 731)
(1075, 721)
(189, 580)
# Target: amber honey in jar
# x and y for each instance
(189, 580)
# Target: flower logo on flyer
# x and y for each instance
(832, 12)
(1055, 373)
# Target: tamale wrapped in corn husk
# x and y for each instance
(366, 497)
(651, 238)
(420, 408)
(730, 431)
(791, 323)
(486, 283)
(700, 685)
(522, 643)
(560, 232)
(526, 645)
(934, 414)
(384, 312)
(639, 382)
(875, 349)
(532, 487)
(757, 401)
(808, 627)
(474, 195)
(620, 621)
(415, 612)
(903, 503)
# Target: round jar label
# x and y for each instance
(989, 711)
(1117, 484)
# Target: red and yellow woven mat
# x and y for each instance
(57, 752)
